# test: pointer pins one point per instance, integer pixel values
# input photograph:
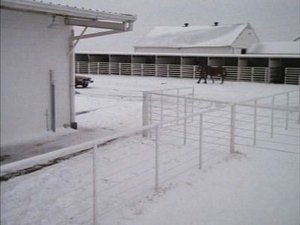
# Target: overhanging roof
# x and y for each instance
(65, 10)
(191, 54)
(113, 22)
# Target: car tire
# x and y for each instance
(85, 84)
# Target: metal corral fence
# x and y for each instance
(181, 133)
(253, 74)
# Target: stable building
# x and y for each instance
(37, 64)
(214, 39)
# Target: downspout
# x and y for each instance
(73, 124)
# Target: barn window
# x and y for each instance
(243, 51)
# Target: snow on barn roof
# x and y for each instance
(193, 36)
(64, 10)
(287, 47)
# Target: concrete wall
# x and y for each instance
(29, 49)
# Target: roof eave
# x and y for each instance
(64, 10)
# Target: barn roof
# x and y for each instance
(65, 10)
(193, 36)
(283, 47)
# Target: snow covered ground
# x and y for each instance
(256, 185)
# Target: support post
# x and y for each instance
(200, 140)
(299, 101)
(193, 96)
(150, 112)
(120, 68)
(254, 122)
(156, 182)
(272, 116)
(109, 68)
(252, 74)
(145, 112)
(287, 111)
(184, 122)
(177, 107)
(161, 106)
(98, 67)
(52, 101)
(142, 69)
(94, 185)
(89, 68)
(168, 70)
(232, 129)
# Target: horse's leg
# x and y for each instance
(222, 79)
(223, 75)
(200, 74)
(205, 78)
(199, 80)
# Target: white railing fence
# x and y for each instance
(181, 133)
(253, 74)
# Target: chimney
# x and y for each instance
(216, 23)
(185, 24)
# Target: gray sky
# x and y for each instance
(273, 20)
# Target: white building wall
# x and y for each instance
(206, 50)
(246, 39)
(29, 49)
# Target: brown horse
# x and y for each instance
(211, 71)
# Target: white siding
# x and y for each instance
(246, 39)
(29, 49)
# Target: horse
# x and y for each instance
(211, 71)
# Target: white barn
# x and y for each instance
(276, 48)
(216, 39)
(37, 64)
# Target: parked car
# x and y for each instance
(83, 81)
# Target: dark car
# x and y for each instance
(82, 81)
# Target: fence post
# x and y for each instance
(299, 102)
(177, 107)
(161, 106)
(184, 124)
(142, 69)
(238, 76)
(89, 68)
(94, 186)
(200, 140)
(193, 96)
(145, 111)
(287, 110)
(254, 122)
(98, 67)
(194, 72)
(109, 68)
(120, 68)
(77, 67)
(272, 116)
(168, 70)
(252, 74)
(156, 181)
(180, 70)
(232, 128)
(150, 112)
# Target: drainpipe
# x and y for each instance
(73, 124)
